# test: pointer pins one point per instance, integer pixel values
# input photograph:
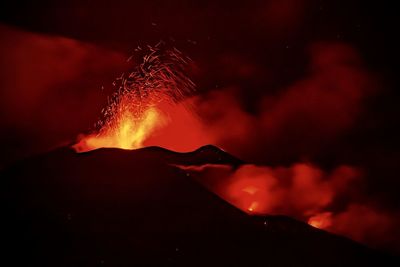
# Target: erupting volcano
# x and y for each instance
(154, 95)
(274, 146)
(140, 105)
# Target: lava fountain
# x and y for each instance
(139, 105)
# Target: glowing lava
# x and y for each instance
(253, 207)
(138, 107)
(129, 133)
(321, 221)
(250, 192)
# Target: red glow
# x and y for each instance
(251, 191)
(147, 101)
(162, 124)
(181, 130)
(129, 131)
(321, 221)
(303, 190)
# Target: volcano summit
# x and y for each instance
(117, 207)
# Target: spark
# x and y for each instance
(132, 112)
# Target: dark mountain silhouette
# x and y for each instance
(112, 207)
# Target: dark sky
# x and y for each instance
(258, 47)
(293, 80)
(272, 34)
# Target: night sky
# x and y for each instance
(292, 80)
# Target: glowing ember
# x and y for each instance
(321, 221)
(130, 132)
(249, 192)
(134, 113)
(253, 206)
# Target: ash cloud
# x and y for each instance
(303, 121)
(333, 201)
(262, 105)
(299, 120)
(50, 89)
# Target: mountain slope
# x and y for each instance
(116, 207)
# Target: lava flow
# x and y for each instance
(140, 105)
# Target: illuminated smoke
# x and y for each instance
(303, 191)
(322, 220)
(301, 119)
(134, 112)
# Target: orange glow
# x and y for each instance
(145, 100)
(303, 190)
(253, 207)
(250, 190)
(164, 124)
(321, 221)
(129, 131)
(181, 129)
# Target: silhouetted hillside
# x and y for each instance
(114, 207)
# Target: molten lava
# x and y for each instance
(142, 101)
(321, 221)
(129, 132)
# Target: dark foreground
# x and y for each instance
(114, 207)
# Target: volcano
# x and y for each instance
(116, 207)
